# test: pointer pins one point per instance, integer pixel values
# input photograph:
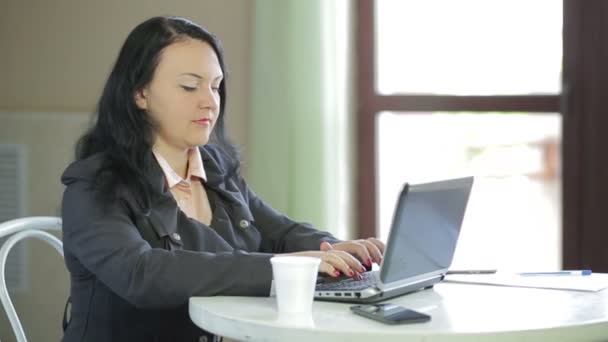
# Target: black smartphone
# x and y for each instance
(390, 313)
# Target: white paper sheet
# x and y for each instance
(592, 283)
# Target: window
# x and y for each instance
(471, 87)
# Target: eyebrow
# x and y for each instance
(199, 76)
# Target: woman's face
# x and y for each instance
(183, 97)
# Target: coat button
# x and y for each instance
(202, 339)
(244, 224)
(176, 236)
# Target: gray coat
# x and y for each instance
(132, 272)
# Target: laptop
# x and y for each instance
(420, 246)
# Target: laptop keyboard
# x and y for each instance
(349, 284)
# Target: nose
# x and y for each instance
(209, 98)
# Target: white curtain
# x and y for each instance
(299, 156)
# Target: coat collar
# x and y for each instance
(220, 179)
(162, 209)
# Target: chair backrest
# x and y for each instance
(17, 230)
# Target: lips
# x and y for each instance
(202, 122)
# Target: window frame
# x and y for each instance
(370, 103)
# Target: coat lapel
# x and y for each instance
(164, 211)
(219, 181)
(163, 214)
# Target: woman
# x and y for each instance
(155, 210)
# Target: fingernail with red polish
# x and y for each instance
(337, 273)
(363, 268)
(369, 262)
(351, 273)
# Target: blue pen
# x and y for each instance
(558, 273)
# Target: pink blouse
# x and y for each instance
(189, 193)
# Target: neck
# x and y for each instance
(176, 157)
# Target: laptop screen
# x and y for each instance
(425, 229)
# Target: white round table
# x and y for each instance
(460, 312)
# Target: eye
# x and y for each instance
(189, 89)
(215, 89)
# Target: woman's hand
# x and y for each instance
(339, 258)
(368, 250)
(334, 262)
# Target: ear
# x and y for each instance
(141, 99)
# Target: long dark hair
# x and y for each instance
(123, 132)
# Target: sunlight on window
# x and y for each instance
(469, 47)
(476, 47)
(512, 220)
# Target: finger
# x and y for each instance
(357, 248)
(338, 263)
(374, 251)
(327, 268)
(378, 244)
(353, 263)
(360, 250)
(325, 246)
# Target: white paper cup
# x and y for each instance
(295, 278)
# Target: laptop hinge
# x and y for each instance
(397, 284)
